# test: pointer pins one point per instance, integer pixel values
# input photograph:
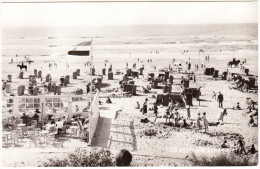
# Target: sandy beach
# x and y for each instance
(172, 144)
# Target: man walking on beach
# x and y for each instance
(220, 100)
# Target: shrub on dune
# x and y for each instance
(223, 160)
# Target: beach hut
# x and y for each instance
(8, 88)
(166, 99)
(166, 76)
(247, 71)
(48, 77)
(20, 90)
(35, 91)
(39, 74)
(104, 71)
(186, 83)
(53, 87)
(224, 76)
(141, 71)
(189, 99)
(9, 78)
(58, 90)
(110, 75)
(155, 84)
(159, 99)
(129, 72)
(134, 90)
(35, 72)
(67, 79)
(21, 75)
(215, 75)
(74, 75)
(92, 72)
(171, 79)
(78, 72)
(135, 74)
(165, 88)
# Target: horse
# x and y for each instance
(22, 67)
(236, 63)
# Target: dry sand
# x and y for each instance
(235, 122)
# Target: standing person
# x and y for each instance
(167, 114)
(241, 146)
(88, 88)
(188, 111)
(177, 117)
(145, 107)
(205, 122)
(155, 110)
(189, 66)
(198, 122)
(220, 100)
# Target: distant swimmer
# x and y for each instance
(12, 60)
(16, 55)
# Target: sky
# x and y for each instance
(83, 14)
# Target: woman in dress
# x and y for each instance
(205, 122)
(145, 108)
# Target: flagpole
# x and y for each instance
(90, 92)
(91, 58)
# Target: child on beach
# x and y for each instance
(198, 123)
(205, 122)
(214, 95)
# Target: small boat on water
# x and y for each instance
(82, 49)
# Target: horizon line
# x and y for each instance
(136, 24)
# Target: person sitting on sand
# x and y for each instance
(224, 145)
(251, 121)
(137, 105)
(238, 106)
(205, 122)
(252, 150)
(185, 124)
(198, 122)
(108, 100)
